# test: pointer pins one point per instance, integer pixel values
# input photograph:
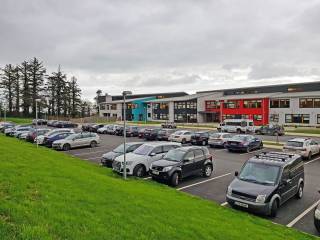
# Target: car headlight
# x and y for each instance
(261, 198)
(166, 169)
(229, 191)
(317, 214)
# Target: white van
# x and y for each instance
(237, 126)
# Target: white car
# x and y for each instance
(85, 139)
(40, 139)
(21, 130)
(181, 136)
(306, 147)
(103, 130)
(219, 139)
(138, 162)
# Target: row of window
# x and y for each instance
(161, 116)
(294, 118)
(185, 117)
(162, 106)
(309, 102)
(185, 105)
(256, 117)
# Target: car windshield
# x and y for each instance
(240, 138)
(294, 144)
(143, 150)
(215, 135)
(260, 173)
(175, 155)
(119, 149)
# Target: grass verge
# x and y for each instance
(49, 195)
(18, 120)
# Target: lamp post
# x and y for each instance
(124, 94)
(37, 100)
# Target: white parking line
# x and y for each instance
(224, 204)
(297, 219)
(312, 161)
(87, 153)
(208, 180)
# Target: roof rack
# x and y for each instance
(274, 156)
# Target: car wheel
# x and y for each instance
(309, 156)
(248, 149)
(93, 144)
(139, 171)
(174, 180)
(184, 141)
(204, 143)
(66, 147)
(238, 131)
(207, 170)
(104, 132)
(274, 208)
(261, 145)
(299, 194)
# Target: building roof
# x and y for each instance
(247, 96)
(127, 100)
(183, 98)
(298, 94)
(167, 94)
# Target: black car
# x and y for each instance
(107, 158)
(164, 134)
(267, 181)
(63, 124)
(200, 138)
(168, 125)
(95, 127)
(132, 131)
(182, 162)
(86, 126)
(141, 132)
(39, 122)
(271, 129)
(244, 143)
(151, 134)
(317, 218)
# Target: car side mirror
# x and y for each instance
(152, 154)
(236, 173)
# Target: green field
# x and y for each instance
(17, 120)
(49, 195)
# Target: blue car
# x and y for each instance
(49, 140)
(245, 143)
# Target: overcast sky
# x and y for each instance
(155, 46)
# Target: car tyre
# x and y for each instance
(238, 131)
(174, 180)
(248, 150)
(66, 147)
(309, 156)
(299, 194)
(184, 141)
(207, 170)
(93, 144)
(204, 143)
(139, 171)
(274, 208)
(261, 145)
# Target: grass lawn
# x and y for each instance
(49, 195)
(18, 120)
(305, 130)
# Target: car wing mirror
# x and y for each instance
(236, 173)
(152, 154)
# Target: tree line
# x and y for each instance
(27, 85)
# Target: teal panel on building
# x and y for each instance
(139, 112)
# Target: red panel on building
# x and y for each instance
(255, 109)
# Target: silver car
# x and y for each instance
(138, 162)
(41, 139)
(85, 139)
(219, 139)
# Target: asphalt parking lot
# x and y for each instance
(294, 213)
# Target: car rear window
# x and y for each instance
(294, 144)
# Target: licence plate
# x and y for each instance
(241, 204)
(155, 172)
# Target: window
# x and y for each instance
(189, 156)
(163, 116)
(157, 150)
(231, 104)
(102, 106)
(316, 102)
(164, 106)
(168, 148)
(252, 103)
(198, 153)
(179, 105)
(212, 104)
(257, 117)
(191, 105)
(306, 102)
(113, 106)
(279, 103)
(297, 118)
(149, 115)
(318, 118)
(274, 117)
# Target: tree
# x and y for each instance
(25, 91)
(16, 76)
(36, 72)
(75, 96)
(7, 84)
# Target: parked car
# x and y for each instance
(200, 138)
(64, 124)
(317, 218)
(86, 126)
(95, 127)
(139, 161)
(16, 133)
(5, 126)
(306, 147)
(50, 123)
(164, 134)
(39, 122)
(151, 133)
(181, 163)
(141, 132)
(112, 129)
(31, 136)
(132, 131)
(11, 131)
(48, 141)
(107, 158)
(237, 126)
(271, 129)
(219, 139)
(169, 125)
(181, 136)
(103, 129)
(266, 181)
(23, 136)
(40, 139)
(84, 139)
(243, 142)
